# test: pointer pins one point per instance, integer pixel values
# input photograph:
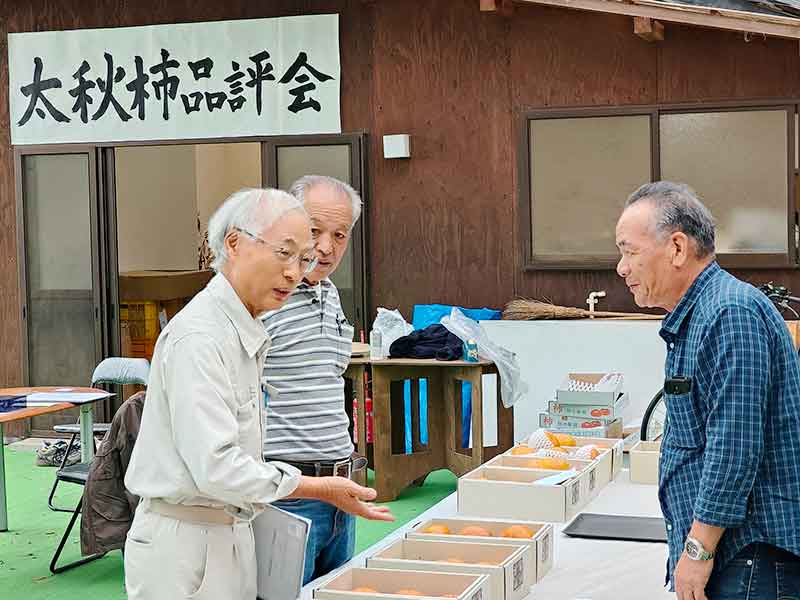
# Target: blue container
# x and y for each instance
(470, 351)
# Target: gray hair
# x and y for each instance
(301, 186)
(678, 208)
(250, 209)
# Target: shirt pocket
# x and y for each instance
(344, 343)
(247, 398)
(685, 422)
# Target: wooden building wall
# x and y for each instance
(443, 225)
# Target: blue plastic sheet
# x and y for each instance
(431, 314)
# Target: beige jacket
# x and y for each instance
(201, 435)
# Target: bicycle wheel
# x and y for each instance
(654, 418)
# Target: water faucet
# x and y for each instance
(594, 299)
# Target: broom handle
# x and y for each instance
(635, 318)
(605, 313)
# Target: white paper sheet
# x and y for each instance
(49, 398)
(280, 539)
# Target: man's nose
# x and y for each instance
(292, 271)
(622, 267)
(324, 245)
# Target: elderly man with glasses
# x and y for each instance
(312, 342)
(197, 463)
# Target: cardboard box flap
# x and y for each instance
(528, 462)
(437, 551)
(592, 382)
(494, 526)
(388, 581)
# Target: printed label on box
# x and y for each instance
(592, 479)
(518, 572)
(579, 410)
(618, 453)
(477, 595)
(575, 493)
(595, 411)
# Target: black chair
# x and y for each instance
(111, 370)
(75, 430)
(78, 474)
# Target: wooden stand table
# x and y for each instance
(396, 470)
(355, 374)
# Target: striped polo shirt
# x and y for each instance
(311, 344)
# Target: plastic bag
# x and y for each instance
(392, 325)
(511, 384)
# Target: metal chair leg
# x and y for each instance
(50, 503)
(55, 569)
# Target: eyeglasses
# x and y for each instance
(284, 255)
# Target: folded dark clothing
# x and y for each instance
(435, 341)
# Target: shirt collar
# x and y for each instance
(673, 321)
(251, 332)
(305, 285)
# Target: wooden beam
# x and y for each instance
(783, 27)
(503, 7)
(648, 29)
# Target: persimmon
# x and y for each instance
(476, 530)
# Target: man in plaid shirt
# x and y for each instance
(729, 481)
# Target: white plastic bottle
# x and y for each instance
(376, 345)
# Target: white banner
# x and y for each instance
(194, 80)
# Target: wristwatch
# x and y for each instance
(695, 550)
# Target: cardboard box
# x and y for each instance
(539, 548)
(605, 462)
(590, 411)
(524, 462)
(388, 581)
(644, 458)
(510, 576)
(161, 285)
(603, 389)
(616, 446)
(794, 328)
(597, 477)
(509, 493)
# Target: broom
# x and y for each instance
(533, 310)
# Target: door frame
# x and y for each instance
(97, 234)
(359, 181)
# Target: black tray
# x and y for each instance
(618, 527)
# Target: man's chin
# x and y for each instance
(321, 273)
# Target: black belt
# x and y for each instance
(341, 468)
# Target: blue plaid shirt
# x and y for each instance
(731, 449)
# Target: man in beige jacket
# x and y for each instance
(197, 462)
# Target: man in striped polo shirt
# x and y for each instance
(304, 390)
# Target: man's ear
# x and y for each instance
(680, 247)
(232, 241)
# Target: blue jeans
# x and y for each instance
(332, 539)
(759, 572)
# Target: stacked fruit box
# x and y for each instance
(502, 537)
(469, 558)
(587, 405)
(502, 541)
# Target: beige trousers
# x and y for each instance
(171, 559)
